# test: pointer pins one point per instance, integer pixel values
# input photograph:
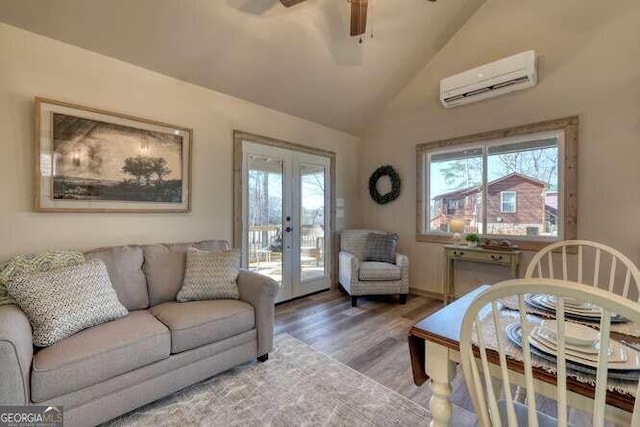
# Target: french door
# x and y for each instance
(286, 206)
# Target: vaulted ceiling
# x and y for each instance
(299, 60)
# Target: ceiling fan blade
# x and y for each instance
(289, 3)
(358, 17)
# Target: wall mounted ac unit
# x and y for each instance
(496, 78)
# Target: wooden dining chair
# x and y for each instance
(587, 262)
(484, 367)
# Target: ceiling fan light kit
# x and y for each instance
(358, 14)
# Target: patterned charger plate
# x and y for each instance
(514, 333)
(534, 300)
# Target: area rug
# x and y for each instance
(297, 386)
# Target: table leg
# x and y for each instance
(441, 371)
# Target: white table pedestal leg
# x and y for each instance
(440, 370)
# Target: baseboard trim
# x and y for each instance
(304, 296)
(428, 294)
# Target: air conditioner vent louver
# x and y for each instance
(506, 75)
(490, 88)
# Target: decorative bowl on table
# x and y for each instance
(495, 245)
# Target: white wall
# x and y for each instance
(589, 65)
(32, 65)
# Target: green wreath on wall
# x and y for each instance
(383, 199)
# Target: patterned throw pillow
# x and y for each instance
(35, 263)
(381, 247)
(61, 302)
(210, 275)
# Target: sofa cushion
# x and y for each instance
(34, 263)
(98, 354)
(372, 270)
(210, 275)
(124, 264)
(197, 323)
(164, 266)
(62, 302)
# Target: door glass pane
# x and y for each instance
(455, 189)
(312, 222)
(265, 240)
(522, 188)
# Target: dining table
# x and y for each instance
(434, 344)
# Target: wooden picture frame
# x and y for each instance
(92, 160)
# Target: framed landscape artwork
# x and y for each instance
(90, 160)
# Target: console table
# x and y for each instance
(452, 253)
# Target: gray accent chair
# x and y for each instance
(359, 277)
(160, 347)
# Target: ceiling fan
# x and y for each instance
(358, 14)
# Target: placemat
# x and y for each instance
(513, 351)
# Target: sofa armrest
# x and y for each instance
(348, 266)
(260, 291)
(16, 353)
(402, 261)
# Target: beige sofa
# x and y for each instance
(161, 346)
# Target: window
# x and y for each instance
(516, 183)
(508, 201)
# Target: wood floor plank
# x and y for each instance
(369, 356)
(371, 338)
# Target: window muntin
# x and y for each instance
(508, 201)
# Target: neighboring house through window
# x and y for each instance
(508, 201)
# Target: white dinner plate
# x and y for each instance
(574, 333)
(579, 352)
(513, 332)
(569, 302)
(592, 314)
(631, 357)
(586, 310)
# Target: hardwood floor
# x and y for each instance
(370, 338)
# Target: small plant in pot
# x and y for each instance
(472, 239)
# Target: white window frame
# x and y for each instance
(515, 201)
